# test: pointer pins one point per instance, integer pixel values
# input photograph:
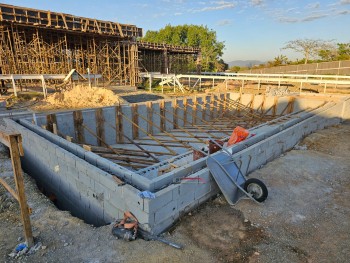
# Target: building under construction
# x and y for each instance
(44, 42)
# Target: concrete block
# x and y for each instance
(111, 211)
(109, 116)
(166, 211)
(65, 123)
(185, 200)
(116, 199)
(142, 111)
(91, 158)
(163, 197)
(130, 195)
(202, 190)
(89, 120)
(161, 226)
(127, 125)
(107, 181)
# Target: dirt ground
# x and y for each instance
(306, 218)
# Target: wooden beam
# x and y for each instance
(17, 169)
(100, 131)
(78, 128)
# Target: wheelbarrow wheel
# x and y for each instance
(257, 189)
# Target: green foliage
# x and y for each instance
(278, 61)
(339, 52)
(343, 51)
(192, 36)
(234, 68)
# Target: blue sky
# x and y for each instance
(251, 29)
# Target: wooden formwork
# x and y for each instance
(43, 42)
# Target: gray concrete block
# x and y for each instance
(85, 179)
(91, 158)
(163, 197)
(107, 181)
(127, 125)
(130, 195)
(109, 115)
(185, 200)
(111, 211)
(164, 224)
(166, 211)
(90, 122)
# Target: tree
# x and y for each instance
(339, 52)
(343, 51)
(278, 61)
(234, 68)
(308, 47)
(193, 36)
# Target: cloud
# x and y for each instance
(313, 5)
(345, 2)
(313, 17)
(256, 2)
(343, 12)
(216, 5)
(224, 22)
(288, 20)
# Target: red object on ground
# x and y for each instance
(239, 134)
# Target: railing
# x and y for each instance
(257, 78)
(333, 67)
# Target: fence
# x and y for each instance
(324, 68)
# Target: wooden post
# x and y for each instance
(14, 142)
(135, 119)
(78, 128)
(100, 129)
(17, 170)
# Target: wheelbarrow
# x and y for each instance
(231, 181)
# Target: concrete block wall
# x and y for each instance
(80, 187)
(65, 167)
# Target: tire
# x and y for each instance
(257, 189)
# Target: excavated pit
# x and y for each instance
(97, 161)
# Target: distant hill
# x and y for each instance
(244, 63)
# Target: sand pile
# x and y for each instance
(83, 96)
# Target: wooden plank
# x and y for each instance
(149, 117)
(100, 130)
(162, 115)
(78, 128)
(50, 120)
(135, 119)
(9, 188)
(119, 124)
(127, 159)
(17, 169)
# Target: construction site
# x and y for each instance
(92, 147)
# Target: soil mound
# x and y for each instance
(83, 96)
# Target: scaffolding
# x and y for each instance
(43, 42)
